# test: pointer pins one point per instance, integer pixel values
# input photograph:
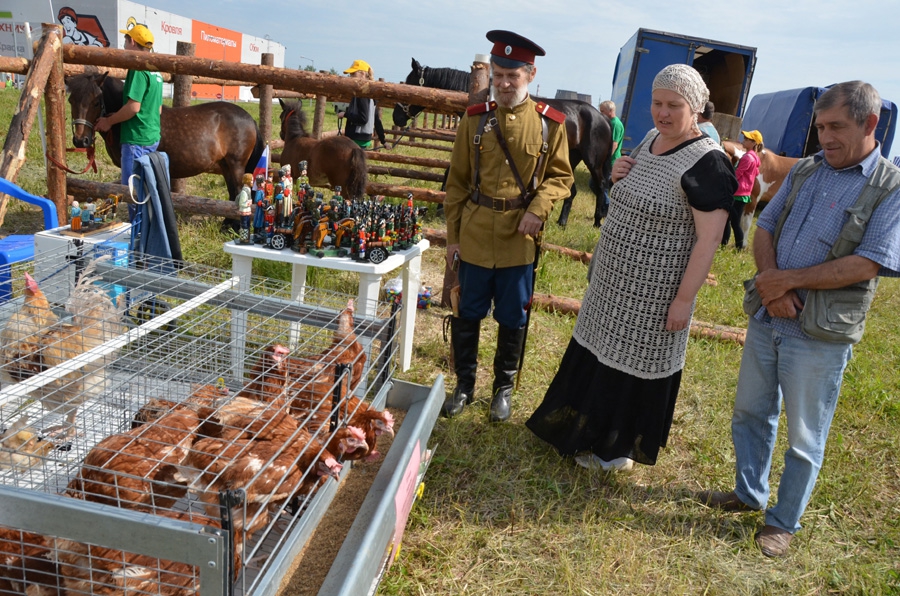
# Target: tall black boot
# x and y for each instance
(506, 363)
(564, 213)
(464, 341)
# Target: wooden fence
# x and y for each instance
(53, 60)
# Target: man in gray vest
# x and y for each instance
(833, 227)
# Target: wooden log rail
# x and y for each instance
(406, 173)
(415, 134)
(426, 146)
(425, 162)
(281, 78)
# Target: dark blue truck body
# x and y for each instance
(727, 69)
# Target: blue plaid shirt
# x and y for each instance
(815, 222)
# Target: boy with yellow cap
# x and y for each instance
(139, 116)
(362, 117)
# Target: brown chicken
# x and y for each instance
(268, 377)
(269, 473)
(20, 338)
(243, 418)
(137, 469)
(92, 569)
(95, 320)
(201, 396)
(25, 564)
(312, 386)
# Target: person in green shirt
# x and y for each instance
(608, 109)
(140, 115)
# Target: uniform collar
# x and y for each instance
(866, 166)
(528, 104)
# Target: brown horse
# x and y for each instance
(216, 137)
(773, 169)
(336, 160)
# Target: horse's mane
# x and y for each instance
(451, 79)
(295, 125)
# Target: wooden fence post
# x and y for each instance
(265, 101)
(319, 116)
(26, 110)
(55, 112)
(181, 97)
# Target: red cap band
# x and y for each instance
(504, 50)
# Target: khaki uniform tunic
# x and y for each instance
(490, 238)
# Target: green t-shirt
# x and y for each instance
(618, 134)
(143, 128)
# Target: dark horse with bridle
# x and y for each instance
(216, 137)
(336, 160)
(588, 131)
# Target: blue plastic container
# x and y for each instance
(13, 249)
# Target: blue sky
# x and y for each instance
(799, 43)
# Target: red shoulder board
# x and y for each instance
(552, 113)
(481, 108)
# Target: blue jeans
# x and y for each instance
(807, 375)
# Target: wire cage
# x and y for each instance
(166, 427)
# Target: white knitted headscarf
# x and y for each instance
(686, 82)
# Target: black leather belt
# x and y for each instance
(496, 204)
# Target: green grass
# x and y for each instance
(503, 514)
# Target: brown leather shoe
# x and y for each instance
(724, 501)
(773, 542)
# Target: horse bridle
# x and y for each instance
(406, 106)
(89, 150)
(90, 125)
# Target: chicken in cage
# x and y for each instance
(178, 398)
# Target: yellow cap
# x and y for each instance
(753, 135)
(358, 65)
(140, 35)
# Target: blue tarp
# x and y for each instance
(785, 119)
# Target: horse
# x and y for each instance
(216, 137)
(773, 169)
(335, 160)
(588, 131)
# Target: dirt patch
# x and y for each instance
(312, 565)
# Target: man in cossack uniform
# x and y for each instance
(510, 164)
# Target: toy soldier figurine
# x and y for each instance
(496, 207)
(270, 224)
(87, 213)
(244, 208)
(303, 179)
(279, 203)
(287, 184)
(259, 218)
(270, 187)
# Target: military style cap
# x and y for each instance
(511, 50)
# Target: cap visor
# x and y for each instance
(506, 62)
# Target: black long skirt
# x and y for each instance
(592, 407)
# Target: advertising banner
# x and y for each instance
(216, 43)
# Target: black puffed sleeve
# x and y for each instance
(710, 184)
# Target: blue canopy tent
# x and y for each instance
(786, 121)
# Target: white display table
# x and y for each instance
(370, 276)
